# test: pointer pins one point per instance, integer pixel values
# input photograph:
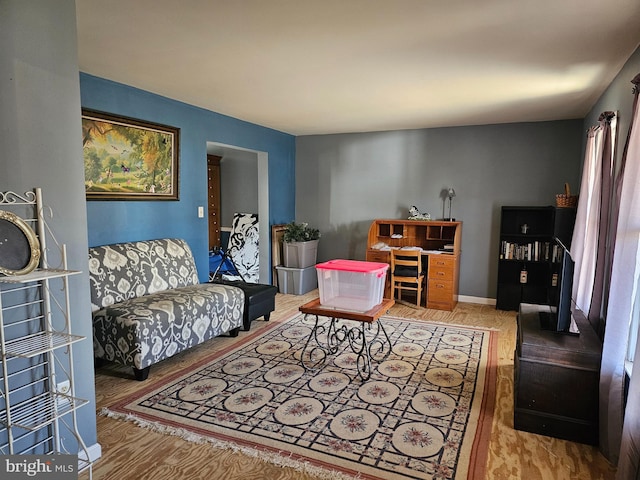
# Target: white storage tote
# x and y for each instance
(351, 284)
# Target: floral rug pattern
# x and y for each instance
(425, 413)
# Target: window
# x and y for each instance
(634, 324)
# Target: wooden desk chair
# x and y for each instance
(406, 272)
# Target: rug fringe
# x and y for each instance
(281, 459)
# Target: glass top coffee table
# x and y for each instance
(366, 338)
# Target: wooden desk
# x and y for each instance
(315, 352)
(443, 269)
(556, 379)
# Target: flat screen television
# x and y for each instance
(559, 316)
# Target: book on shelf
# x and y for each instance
(532, 252)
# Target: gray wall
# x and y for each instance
(618, 98)
(343, 182)
(239, 184)
(40, 141)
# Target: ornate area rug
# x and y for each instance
(425, 412)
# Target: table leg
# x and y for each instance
(336, 335)
(310, 351)
(314, 353)
(382, 343)
(364, 347)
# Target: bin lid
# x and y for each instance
(353, 266)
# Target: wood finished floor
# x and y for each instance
(131, 452)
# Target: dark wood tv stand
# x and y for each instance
(556, 379)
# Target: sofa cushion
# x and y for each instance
(124, 271)
(144, 330)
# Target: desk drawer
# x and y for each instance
(378, 256)
(441, 267)
(440, 290)
(440, 295)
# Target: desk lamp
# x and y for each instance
(450, 193)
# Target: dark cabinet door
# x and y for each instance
(213, 199)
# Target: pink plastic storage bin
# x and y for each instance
(350, 284)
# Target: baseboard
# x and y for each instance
(480, 300)
(94, 451)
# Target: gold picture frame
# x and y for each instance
(129, 159)
(19, 245)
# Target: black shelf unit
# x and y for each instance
(531, 249)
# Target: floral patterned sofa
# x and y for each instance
(147, 303)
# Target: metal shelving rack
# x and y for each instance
(36, 348)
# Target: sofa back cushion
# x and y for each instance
(122, 271)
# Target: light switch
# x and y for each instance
(201, 212)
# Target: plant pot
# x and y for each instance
(300, 254)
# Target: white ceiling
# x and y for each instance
(333, 66)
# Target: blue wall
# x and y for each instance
(120, 221)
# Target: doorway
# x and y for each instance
(243, 184)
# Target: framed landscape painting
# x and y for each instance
(128, 159)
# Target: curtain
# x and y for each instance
(629, 462)
(595, 223)
(609, 210)
(585, 233)
(624, 272)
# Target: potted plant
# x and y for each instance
(300, 246)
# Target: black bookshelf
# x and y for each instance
(527, 245)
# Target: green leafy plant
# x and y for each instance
(300, 232)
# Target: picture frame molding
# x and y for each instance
(174, 133)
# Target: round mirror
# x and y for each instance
(19, 246)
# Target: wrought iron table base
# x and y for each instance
(376, 346)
